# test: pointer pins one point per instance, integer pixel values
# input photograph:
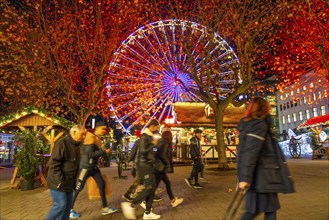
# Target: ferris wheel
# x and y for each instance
(152, 68)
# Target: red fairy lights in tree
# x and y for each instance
(301, 43)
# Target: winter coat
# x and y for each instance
(64, 165)
(133, 152)
(257, 158)
(146, 152)
(90, 154)
(195, 148)
(164, 154)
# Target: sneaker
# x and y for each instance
(151, 215)
(188, 182)
(128, 211)
(108, 210)
(159, 191)
(73, 214)
(157, 199)
(143, 205)
(197, 186)
(127, 198)
(176, 202)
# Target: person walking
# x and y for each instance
(63, 172)
(91, 151)
(195, 152)
(257, 157)
(145, 170)
(137, 180)
(164, 154)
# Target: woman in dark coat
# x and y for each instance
(164, 154)
(256, 149)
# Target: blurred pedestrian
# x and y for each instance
(257, 160)
(164, 154)
(63, 172)
(91, 151)
(145, 170)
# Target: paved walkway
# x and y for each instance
(309, 203)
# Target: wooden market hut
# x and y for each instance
(50, 126)
(191, 114)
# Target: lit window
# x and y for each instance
(294, 117)
(304, 87)
(292, 93)
(307, 112)
(281, 97)
(300, 116)
(283, 120)
(315, 112)
(325, 93)
(298, 90)
(288, 119)
(286, 95)
(319, 95)
(311, 85)
(323, 110)
(314, 97)
(304, 98)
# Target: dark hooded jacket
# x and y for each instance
(146, 149)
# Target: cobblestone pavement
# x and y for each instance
(309, 203)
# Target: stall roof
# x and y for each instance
(193, 114)
(315, 121)
(30, 117)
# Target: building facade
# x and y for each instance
(307, 98)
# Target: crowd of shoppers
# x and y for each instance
(75, 158)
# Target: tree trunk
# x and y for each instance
(82, 119)
(221, 148)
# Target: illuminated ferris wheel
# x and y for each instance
(150, 70)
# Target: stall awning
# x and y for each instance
(194, 115)
(316, 121)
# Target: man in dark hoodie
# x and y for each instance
(63, 172)
(91, 151)
(145, 170)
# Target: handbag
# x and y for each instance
(93, 191)
(159, 165)
(287, 184)
(273, 172)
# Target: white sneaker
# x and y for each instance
(176, 202)
(151, 215)
(128, 211)
(143, 205)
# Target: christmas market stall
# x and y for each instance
(319, 128)
(189, 116)
(48, 127)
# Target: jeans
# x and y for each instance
(61, 205)
(147, 194)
